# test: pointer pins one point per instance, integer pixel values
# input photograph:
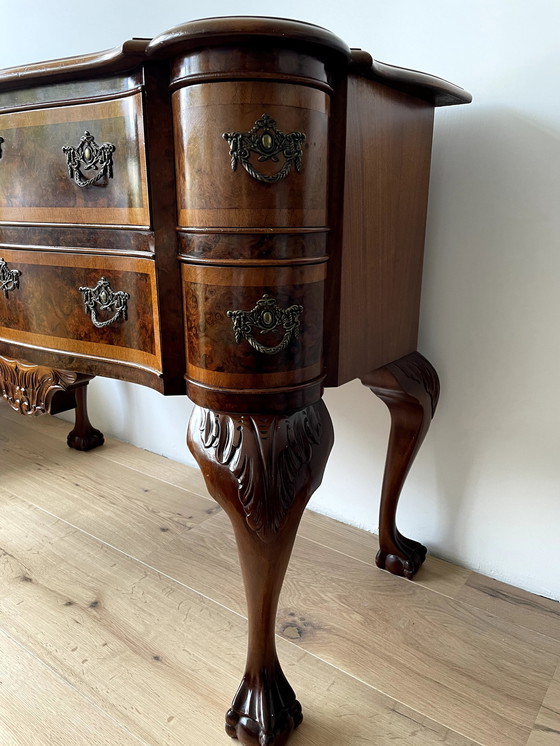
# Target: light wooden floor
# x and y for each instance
(122, 619)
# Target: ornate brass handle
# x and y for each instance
(9, 278)
(89, 156)
(105, 298)
(268, 142)
(268, 317)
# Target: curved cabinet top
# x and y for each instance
(234, 31)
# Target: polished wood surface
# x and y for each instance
(211, 194)
(410, 389)
(71, 91)
(164, 641)
(118, 60)
(375, 289)
(48, 310)
(210, 292)
(35, 185)
(33, 390)
(263, 478)
(267, 204)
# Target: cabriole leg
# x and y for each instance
(262, 469)
(410, 389)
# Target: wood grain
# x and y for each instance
(519, 606)
(394, 637)
(35, 186)
(38, 707)
(375, 294)
(546, 731)
(443, 658)
(47, 309)
(154, 655)
(210, 193)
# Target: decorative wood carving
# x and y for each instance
(36, 389)
(263, 469)
(417, 368)
(29, 388)
(264, 454)
(259, 242)
(410, 389)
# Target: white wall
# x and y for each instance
(485, 491)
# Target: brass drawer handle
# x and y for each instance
(89, 156)
(9, 278)
(268, 317)
(104, 297)
(268, 142)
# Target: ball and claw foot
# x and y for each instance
(404, 559)
(85, 441)
(274, 733)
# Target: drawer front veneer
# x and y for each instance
(35, 184)
(286, 357)
(210, 193)
(47, 309)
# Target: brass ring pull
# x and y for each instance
(9, 278)
(106, 299)
(268, 142)
(89, 156)
(268, 317)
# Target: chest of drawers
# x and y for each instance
(234, 210)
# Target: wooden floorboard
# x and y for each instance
(63, 718)
(546, 731)
(157, 657)
(122, 552)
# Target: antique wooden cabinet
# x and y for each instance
(234, 210)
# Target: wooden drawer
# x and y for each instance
(211, 194)
(254, 328)
(35, 184)
(47, 309)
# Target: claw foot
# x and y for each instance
(85, 441)
(262, 716)
(405, 558)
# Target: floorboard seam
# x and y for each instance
(65, 681)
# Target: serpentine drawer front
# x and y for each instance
(50, 155)
(234, 210)
(48, 307)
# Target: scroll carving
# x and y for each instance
(29, 388)
(264, 453)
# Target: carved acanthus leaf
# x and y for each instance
(29, 388)
(265, 455)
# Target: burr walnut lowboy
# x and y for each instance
(234, 210)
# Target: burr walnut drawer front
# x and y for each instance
(251, 154)
(76, 164)
(99, 306)
(254, 327)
